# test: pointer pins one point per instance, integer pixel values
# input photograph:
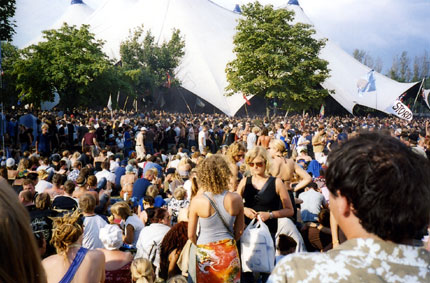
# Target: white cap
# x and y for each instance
(10, 162)
(111, 237)
(143, 129)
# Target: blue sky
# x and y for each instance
(384, 28)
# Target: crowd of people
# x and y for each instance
(154, 197)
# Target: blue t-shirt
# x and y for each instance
(44, 143)
(127, 138)
(139, 188)
(119, 172)
(150, 165)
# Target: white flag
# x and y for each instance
(109, 106)
(366, 84)
(426, 93)
(400, 110)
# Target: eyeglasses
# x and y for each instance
(258, 164)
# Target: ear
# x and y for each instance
(344, 207)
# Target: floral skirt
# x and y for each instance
(218, 262)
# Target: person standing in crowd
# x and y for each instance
(140, 144)
(220, 216)
(318, 143)
(379, 196)
(90, 139)
(203, 135)
(72, 261)
(44, 142)
(263, 196)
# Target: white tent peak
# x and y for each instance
(293, 2)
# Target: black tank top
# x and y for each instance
(267, 200)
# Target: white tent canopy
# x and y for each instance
(208, 29)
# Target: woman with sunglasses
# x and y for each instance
(263, 195)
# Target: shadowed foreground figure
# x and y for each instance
(379, 195)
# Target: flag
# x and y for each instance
(109, 105)
(200, 103)
(400, 110)
(425, 93)
(401, 97)
(366, 84)
(246, 100)
(169, 81)
(117, 98)
(322, 111)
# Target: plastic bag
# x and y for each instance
(257, 248)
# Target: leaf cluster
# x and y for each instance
(7, 24)
(146, 63)
(277, 59)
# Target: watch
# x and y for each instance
(271, 215)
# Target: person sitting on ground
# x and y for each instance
(72, 261)
(128, 221)
(66, 201)
(313, 202)
(117, 262)
(379, 196)
(127, 181)
(178, 202)
(92, 222)
(142, 271)
(317, 236)
(286, 245)
(57, 186)
(26, 199)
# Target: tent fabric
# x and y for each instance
(208, 29)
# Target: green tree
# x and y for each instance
(70, 61)
(277, 59)
(146, 63)
(10, 54)
(7, 25)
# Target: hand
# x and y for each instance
(250, 213)
(264, 215)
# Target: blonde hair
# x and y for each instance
(122, 209)
(20, 259)
(67, 230)
(278, 145)
(213, 174)
(152, 191)
(258, 151)
(234, 149)
(142, 271)
(179, 193)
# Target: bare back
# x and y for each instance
(91, 270)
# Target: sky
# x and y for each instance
(383, 28)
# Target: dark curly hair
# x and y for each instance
(387, 184)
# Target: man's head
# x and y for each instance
(378, 184)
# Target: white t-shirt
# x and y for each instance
(251, 140)
(202, 138)
(110, 177)
(42, 185)
(137, 224)
(312, 201)
(302, 140)
(92, 226)
(154, 234)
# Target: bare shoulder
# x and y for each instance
(96, 255)
(235, 199)
(52, 260)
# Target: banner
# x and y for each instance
(322, 111)
(366, 84)
(246, 100)
(400, 110)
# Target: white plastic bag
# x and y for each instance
(257, 248)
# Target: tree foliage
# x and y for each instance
(10, 54)
(7, 25)
(277, 59)
(70, 61)
(147, 64)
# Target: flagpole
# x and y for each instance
(125, 104)
(2, 106)
(419, 91)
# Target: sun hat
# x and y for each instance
(111, 237)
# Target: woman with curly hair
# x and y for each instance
(235, 153)
(73, 262)
(220, 216)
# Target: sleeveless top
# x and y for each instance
(268, 200)
(211, 228)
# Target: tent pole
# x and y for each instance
(419, 91)
(189, 109)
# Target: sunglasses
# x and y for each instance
(258, 164)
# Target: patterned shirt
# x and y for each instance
(357, 260)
